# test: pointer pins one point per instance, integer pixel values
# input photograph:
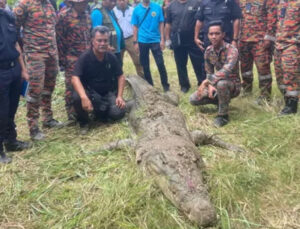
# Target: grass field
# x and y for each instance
(59, 184)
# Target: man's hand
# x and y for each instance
(235, 44)
(202, 87)
(168, 43)
(86, 104)
(136, 47)
(162, 45)
(199, 43)
(25, 75)
(120, 102)
(267, 44)
(211, 91)
(111, 49)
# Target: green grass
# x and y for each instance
(62, 183)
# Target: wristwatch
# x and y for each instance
(236, 39)
(134, 42)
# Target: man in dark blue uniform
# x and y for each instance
(180, 24)
(11, 69)
(226, 11)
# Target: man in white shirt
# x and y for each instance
(123, 14)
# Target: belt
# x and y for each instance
(128, 37)
(7, 65)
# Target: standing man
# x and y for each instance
(223, 80)
(98, 81)
(73, 38)
(148, 34)
(123, 13)
(226, 11)
(287, 54)
(38, 19)
(12, 67)
(104, 15)
(180, 24)
(258, 27)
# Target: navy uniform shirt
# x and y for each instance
(219, 10)
(8, 37)
(181, 16)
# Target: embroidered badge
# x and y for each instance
(153, 14)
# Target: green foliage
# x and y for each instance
(59, 183)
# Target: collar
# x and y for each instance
(127, 7)
(223, 47)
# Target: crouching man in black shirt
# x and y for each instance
(98, 82)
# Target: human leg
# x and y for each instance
(262, 58)
(144, 59)
(159, 60)
(181, 58)
(134, 56)
(246, 60)
(197, 57)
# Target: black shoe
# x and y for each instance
(52, 123)
(16, 145)
(185, 89)
(221, 120)
(84, 129)
(291, 106)
(166, 89)
(4, 159)
(262, 100)
(37, 135)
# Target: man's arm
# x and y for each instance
(121, 84)
(78, 87)
(135, 42)
(198, 27)
(236, 32)
(162, 38)
(61, 39)
(224, 72)
(271, 11)
(24, 73)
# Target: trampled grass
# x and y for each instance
(63, 183)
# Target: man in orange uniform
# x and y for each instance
(258, 27)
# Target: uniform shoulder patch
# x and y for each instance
(19, 11)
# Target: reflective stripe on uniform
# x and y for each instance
(292, 93)
(31, 100)
(265, 77)
(245, 74)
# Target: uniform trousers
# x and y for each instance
(226, 90)
(159, 60)
(181, 54)
(134, 55)
(287, 68)
(255, 52)
(111, 110)
(10, 88)
(42, 70)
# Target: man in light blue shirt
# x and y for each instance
(123, 12)
(104, 15)
(148, 34)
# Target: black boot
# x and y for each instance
(221, 120)
(291, 105)
(16, 145)
(4, 159)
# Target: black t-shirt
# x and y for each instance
(8, 37)
(101, 76)
(181, 16)
(219, 10)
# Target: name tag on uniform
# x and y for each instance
(248, 7)
(190, 8)
(282, 12)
